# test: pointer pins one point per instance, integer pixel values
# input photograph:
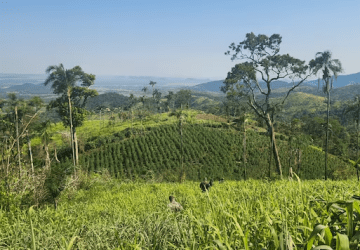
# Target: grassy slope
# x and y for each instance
(113, 215)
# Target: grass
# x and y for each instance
(96, 127)
(233, 215)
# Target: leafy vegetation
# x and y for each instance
(233, 215)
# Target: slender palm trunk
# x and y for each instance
(327, 132)
(71, 128)
(76, 147)
(17, 140)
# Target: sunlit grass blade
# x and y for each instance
(342, 242)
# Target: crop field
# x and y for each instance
(211, 152)
(232, 215)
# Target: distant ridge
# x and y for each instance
(28, 88)
(342, 81)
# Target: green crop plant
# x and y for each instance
(252, 214)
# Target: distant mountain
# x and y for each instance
(215, 86)
(108, 82)
(342, 81)
(28, 88)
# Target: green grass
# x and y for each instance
(94, 127)
(233, 215)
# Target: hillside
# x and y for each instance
(209, 151)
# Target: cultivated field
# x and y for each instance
(233, 215)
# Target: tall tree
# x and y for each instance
(170, 100)
(70, 105)
(157, 99)
(152, 85)
(183, 98)
(143, 99)
(261, 55)
(323, 61)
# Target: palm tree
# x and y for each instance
(355, 110)
(152, 85)
(64, 83)
(323, 61)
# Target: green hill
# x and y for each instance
(209, 151)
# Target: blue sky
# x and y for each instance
(168, 38)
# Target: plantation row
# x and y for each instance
(208, 152)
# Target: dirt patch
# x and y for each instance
(210, 117)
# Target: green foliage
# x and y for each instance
(234, 215)
(56, 179)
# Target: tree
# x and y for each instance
(152, 85)
(181, 116)
(182, 98)
(70, 105)
(143, 99)
(17, 111)
(354, 109)
(35, 102)
(323, 61)
(157, 98)
(263, 59)
(170, 100)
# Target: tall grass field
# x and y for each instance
(252, 214)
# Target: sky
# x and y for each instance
(169, 38)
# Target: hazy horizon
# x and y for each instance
(184, 39)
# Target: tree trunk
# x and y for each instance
(55, 154)
(273, 146)
(55, 203)
(76, 147)
(244, 147)
(327, 132)
(71, 127)
(47, 159)
(270, 156)
(299, 161)
(290, 152)
(31, 156)
(17, 140)
(357, 146)
(182, 149)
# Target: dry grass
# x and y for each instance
(210, 117)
